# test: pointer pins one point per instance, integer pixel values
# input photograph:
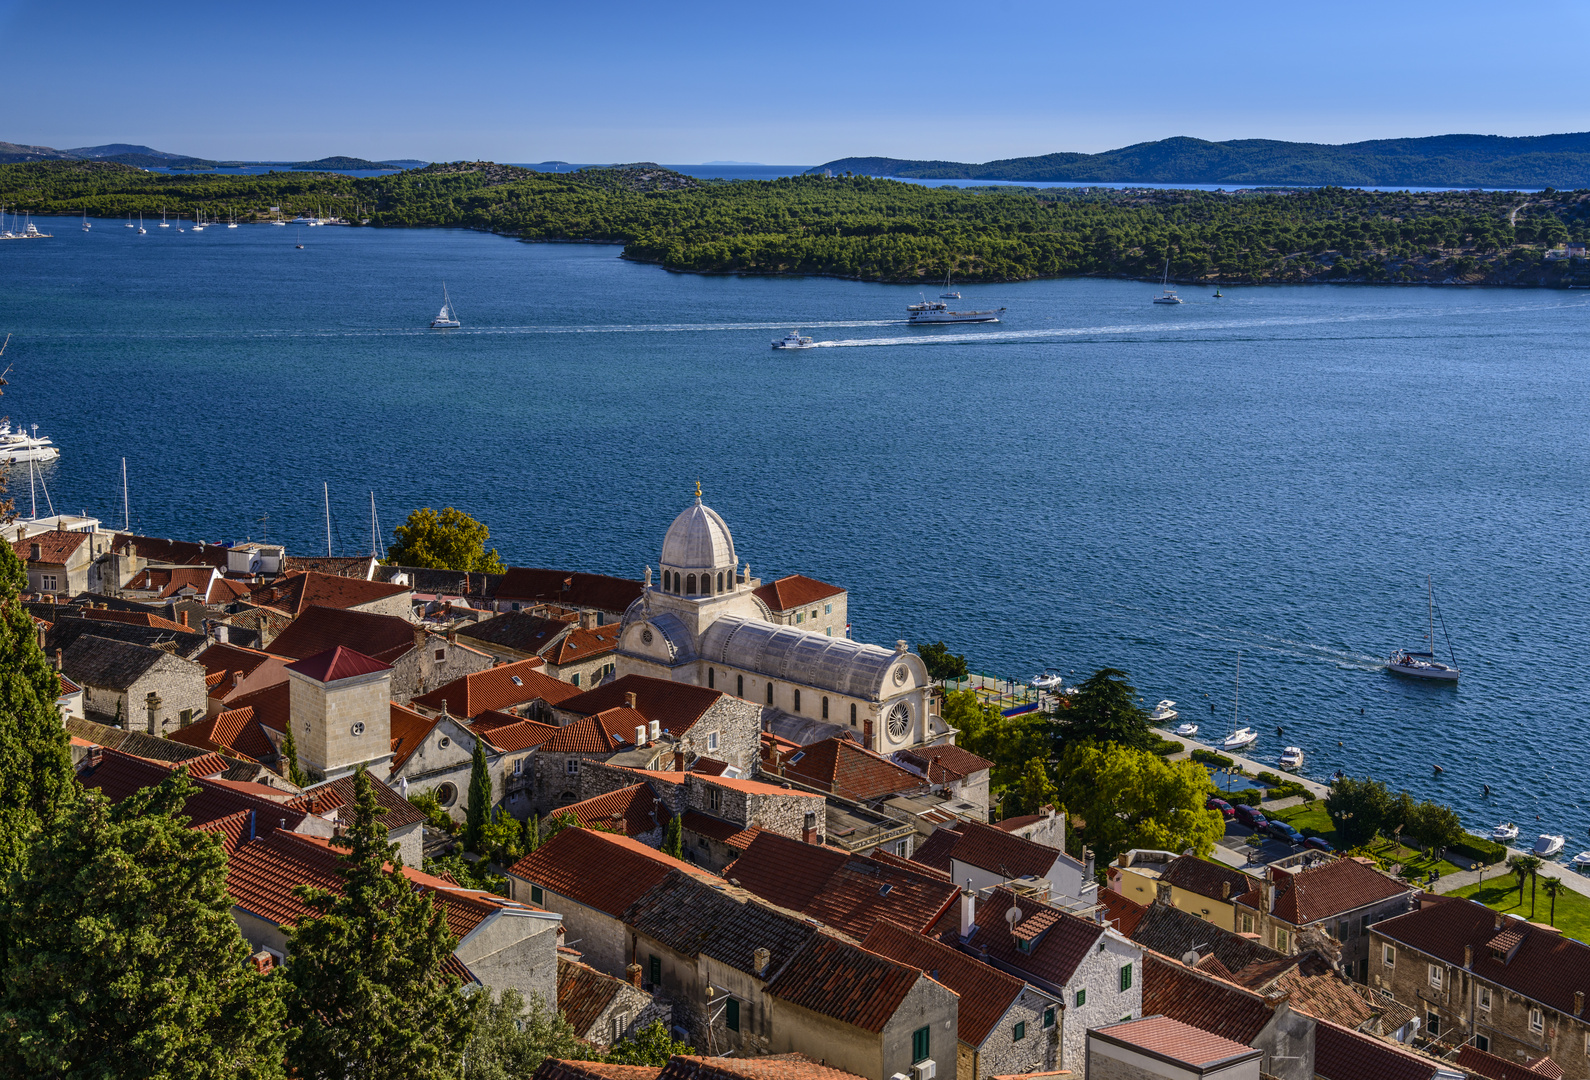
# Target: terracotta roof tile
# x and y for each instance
(1121, 913)
(986, 992)
(1325, 891)
(1064, 941)
(173, 552)
(233, 730)
(584, 994)
(338, 795)
(675, 706)
(295, 593)
(337, 664)
(135, 618)
(1214, 880)
(224, 591)
(891, 859)
(1475, 1060)
(847, 769)
(795, 591)
(725, 832)
(582, 644)
(232, 829)
(1173, 932)
(945, 763)
(1182, 1043)
(773, 1067)
(585, 736)
(845, 982)
(787, 872)
(558, 1069)
(935, 850)
(630, 811)
(1341, 1054)
(408, 730)
(499, 688)
(597, 591)
(519, 631)
(272, 705)
(599, 870)
(119, 775)
(355, 566)
(139, 744)
(1172, 989)
(55, 547)
(694, 914)
(1315, 988)
(320, 628)
(1003, 853)
(518, 734)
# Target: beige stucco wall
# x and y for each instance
(326, 714)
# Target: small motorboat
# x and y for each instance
(794, 340)
(1244, 736)
(1581, 861)
(1548, 845)
(1292, 759)
(1505, 833)
(1164, 712)
(1187, 730)
(1047, 681)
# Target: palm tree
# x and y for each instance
(1553, 886)
(1519, 865)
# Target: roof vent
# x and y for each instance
(886, 890)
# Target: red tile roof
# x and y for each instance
(408, 730)
(1547, 967)
(1323, 892)
(272, 706)
(119, 775)
(173, 552)
(771, 1067)
(880, 855)
(135, 618)
(1475, 1060)
(517, 734)
(795, 591)
(223, 591)
(934, 852)
(1060, 940)
(232, 829)
(946, 764)
(787, 872)
(1342, 1054)
(1212, 1004)
(725, 832)
(55, 547)
(845, 982)
(1121, 913)
(675, 706)
(498, 688)
(295, 593)
(630, 811)
(584, 994)
(336, 664)
(320, 628)
(599, 870)
(847, 769)
(233, 730)
(586, 735)
(1002, 853)
(1181, 1043)
(573, 590)
(225, 658)
(1214, 880)
(582, 644)
(337, 795)
(1314, 987)
(986, 992)
(557, 1069)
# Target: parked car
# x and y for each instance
(1283, 832)
(1317, 843)
(1250, 816)
(1221, 805)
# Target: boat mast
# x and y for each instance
(126, 518)
(33, 491)
(1429, 594)
(1236, 711)
(326, 490)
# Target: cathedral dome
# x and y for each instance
(698, 540)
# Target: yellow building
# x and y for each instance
(1186, 882)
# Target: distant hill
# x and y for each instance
(117, 150)
(1559, 161)
(146, 157)
(327, 164)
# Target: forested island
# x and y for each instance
(881, 230)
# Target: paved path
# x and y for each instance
(1570, 877)
(1251, 766)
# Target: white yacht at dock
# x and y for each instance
(18, 446)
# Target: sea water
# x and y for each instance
(1094, 481)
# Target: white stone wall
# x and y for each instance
(1003, 1054)
(1100, 974)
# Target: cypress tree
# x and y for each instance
(673, 843)
(368, 994)
(532, 833)
(290, 759)
(478, 812)
(126, 961)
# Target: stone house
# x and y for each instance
(60, 563)
(1095, 971)
(1159, 1047)
(558, 762)
(839, 766)
(632, 811)
(295, 593)
(1268, 1023)
(608, 597)
(1508, 987)
(519, 635)
(511, 744)
(986, 856)
(1342, 897)
(129, 685)
(520, 687)
(231, 671)
(437, 754)
(957, 774)
(1047, 828)
(812, 605)
(704, 722)
(404, 823)
(583, 656)
(1003, 1025)
(779, 985)
(603, 1009)
(590, 878)
(1186, 882)
(418, 658)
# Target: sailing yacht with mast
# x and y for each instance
(1424, 665)
(1169, 295)
(447, 318)
(1240, 736)
(948, 293)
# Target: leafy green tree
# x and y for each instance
(1435, 826)
(673, 838)
(451, 540)
(295, 772)
(125, 960)
(941, 663)
(532, 833)
(368, 993)
(1359, 809)
(502, 839)
(1105, 710)
(478, 812)
(651, 1045)
(1035, 790)
(471, 875)
(1135, 799)
(510, 1040)
(1010, 742)
(436, 816)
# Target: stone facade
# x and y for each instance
(434, 661)
(1100, 976)
(178, 685)
(341, 724)
(442, 763)
(1349, 927)
(1003, 1054)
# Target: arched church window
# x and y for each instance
(690, 585)
(797, 700)
(709, 679)
(852, 714)
(739, 686)
(770, 693)
(720, 580)
(825, 708)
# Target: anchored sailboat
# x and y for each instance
(1169, 295)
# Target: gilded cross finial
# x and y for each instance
(698, 491)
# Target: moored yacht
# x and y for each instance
(793, 340)
(1581, 861)
(1291, 759)
(20, 446)
(1186, 730)
(1547, 845)
(1243, 736)
(1505, 833)
(948, 293)
(1164, 712)
(1049, 680)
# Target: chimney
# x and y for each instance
(419, 637)
(57, 659)
(679, 759)
(1123, 859)
(152, 704)
(184, 614)
(1578, 1002)
(587, 619)
(96, 754)
(1225, 890)
(223, 633)
(640, 734)
(634, 973)
(35, 553)
(1498, 920)
(629, 700)
(1087, 862)
(761, 960)
(968, 910)
(656, 731)
(452, 637)
(1267, 890)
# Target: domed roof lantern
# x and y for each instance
(698, 540)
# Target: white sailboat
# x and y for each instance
(141, 230)
(1169, 295)
(447, 318)
(1424, 665)
(1240, 736)
(948, 293)
(86, 225)
(164, 224)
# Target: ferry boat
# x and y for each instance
(1424, 665)
(937, 311)
(793, 340)
(447, 318)
(18, 446)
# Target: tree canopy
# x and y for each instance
(942, 664)
(451, 540)
(1135, 799)
(1105, 710)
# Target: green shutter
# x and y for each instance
(1126, 976)
(731, 1015)
(536, 895)
(1082, 997)
(656, 971)
(919, 1044)
(1048, 1016)
(1021, 1030)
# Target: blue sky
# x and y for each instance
(784, 84)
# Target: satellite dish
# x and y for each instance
(1191, 957)
(1013, 916)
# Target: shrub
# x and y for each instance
(1245, 797)
(1167, 747)
(1209, 757)
(1269, 779)
(1480, 849)
(1287, 789)
(429, 805)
